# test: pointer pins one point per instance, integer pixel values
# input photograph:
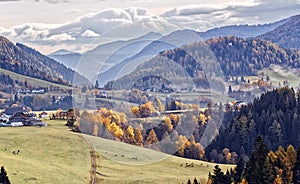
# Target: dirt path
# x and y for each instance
(93, 171)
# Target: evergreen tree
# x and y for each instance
(296, 170)
(239, 170)
(218, 176)
(229, 89)
(259, 168)
(195, 181)
(3, 176)
(97, 85)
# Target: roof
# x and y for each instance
(13, 110)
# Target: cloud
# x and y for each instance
(207, 16)
(60, 37)
(53, 1)
(115, 24)
(89, 33)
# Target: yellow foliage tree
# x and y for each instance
(95, 131)
(182, 143)
(139, 140)
(244, 181)
(116, 130)
(146, 109)
(152, 141)
(129, 135)
(168, 124)
(277, 180)
(135, 111)
(202, 118)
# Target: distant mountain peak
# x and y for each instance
(62, 52)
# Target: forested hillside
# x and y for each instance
(27, 61)
(286, 35)
(274, 116)
(241, 57)
(206, 63)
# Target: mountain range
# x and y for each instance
(204, 63)
(121, 58)
(24, 60)
(286, 35)
(116, 59)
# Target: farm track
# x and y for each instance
(93, 170)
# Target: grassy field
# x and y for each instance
(122, 163)
(33, 81)
(56, 155)
(47, 155)
(279, 74)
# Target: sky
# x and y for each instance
(15, 12)
(52, 24)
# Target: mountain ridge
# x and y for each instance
(24, 60)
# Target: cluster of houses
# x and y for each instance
(25, 91)
(19, 116)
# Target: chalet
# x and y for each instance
(24, 118)
(38, 91)
(43, 115)
(4, 118)
(12, 110)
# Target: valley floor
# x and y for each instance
(55, 155)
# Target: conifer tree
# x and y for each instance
(195, 181)
(296, 170)
(259, 168)
(218, 176)
(3, 176)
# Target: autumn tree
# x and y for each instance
(115, 130)
(135, 111)
(152, 141)
(146, 109)
(129, 135)
(158, 105)
(138, 137)
(182, 143)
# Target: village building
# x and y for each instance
(12, 110)
(43, 114)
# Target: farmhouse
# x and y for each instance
(25, 119)
(12, 110)
(43, 115)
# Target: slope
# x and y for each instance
(27, 61)
(70, 59)
(206, 63)
(120, 162)
(286, 35)
(244, 31)
(63, 156)
(128, 65)
(47, 155)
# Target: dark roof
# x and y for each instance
(13, 110)
(26, 119)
